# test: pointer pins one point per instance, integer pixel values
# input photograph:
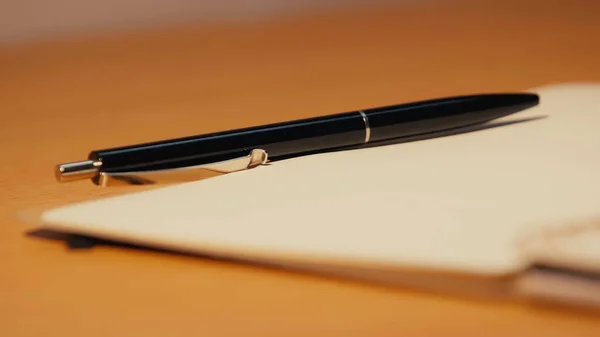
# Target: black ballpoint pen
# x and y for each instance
(206, 155)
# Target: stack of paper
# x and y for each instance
(469, 212)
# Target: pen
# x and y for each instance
(211, 154)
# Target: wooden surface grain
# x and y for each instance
(59, 99)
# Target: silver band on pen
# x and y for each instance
(367, 128)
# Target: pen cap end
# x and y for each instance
(77, 170)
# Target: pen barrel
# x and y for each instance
(426, 117)
(281, 140)
(278, 140)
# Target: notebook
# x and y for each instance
(509, 210)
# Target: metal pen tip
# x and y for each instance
(77, 170)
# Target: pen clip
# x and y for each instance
(177, 175)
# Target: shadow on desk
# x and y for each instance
(78, 243)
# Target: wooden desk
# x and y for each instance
(61, 99)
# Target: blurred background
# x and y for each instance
(22, 20)
(241, 62)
